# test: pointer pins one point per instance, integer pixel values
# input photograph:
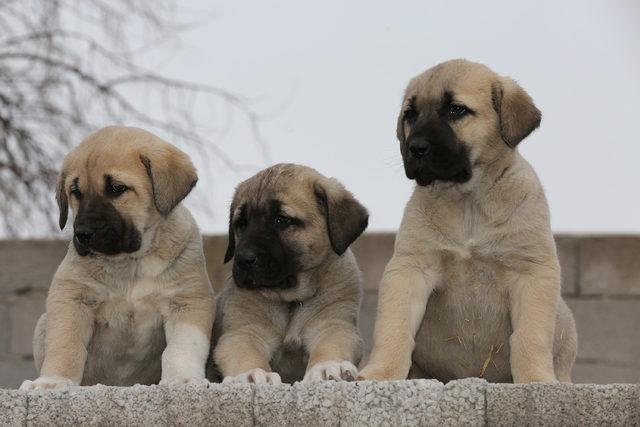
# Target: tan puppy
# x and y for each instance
(474, 248)
(290, 311)
(131, 302)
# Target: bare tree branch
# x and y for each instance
(60, 81)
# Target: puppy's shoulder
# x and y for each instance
(179, 239)
(344, 270)
(75, 268)
(521, 190)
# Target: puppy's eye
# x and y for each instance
(283, 221)
(241, 222)
(117, 189)
(410, 115)
(457, 111)
(75, 192)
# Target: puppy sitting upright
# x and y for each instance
(473, 287)
(131, 302)
(291, 309)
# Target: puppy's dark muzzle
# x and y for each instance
(254, 269)
(247, 260)
(418, 148)
(82, 237)
(103, 231)
(427, 161)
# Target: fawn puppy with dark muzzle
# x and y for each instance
(473, 287)
(131, 302)
(290, 310)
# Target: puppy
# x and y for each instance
(131, 302)
(290, 311)
(473, 287)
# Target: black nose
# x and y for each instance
(246, 259)
(418, 148)
(83, 235)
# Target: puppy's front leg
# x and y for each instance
(533, 304)
(334, 346)
(243, 354)
(187, 330)
(402, 300)
(69, 327)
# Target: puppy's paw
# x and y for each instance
(180, 381)
(255, 376)
(333, 370)
(47, 383)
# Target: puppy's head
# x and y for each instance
(286, 220)
(458, 115)
(119, 182)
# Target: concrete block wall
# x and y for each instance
(601, 283)
(468, 402)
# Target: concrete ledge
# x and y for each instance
(417, 402)
(561, 404)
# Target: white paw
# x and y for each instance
(256, 376)
(180, 381)
(47, 383)
(333, 370)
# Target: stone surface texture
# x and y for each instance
(472, 402)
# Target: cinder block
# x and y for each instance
(223, 405)
(13, 408)
(214, 249)
(604, 373)
(142, 405)
(98, 405)
(418, 402)
(560, 404)
(14, 370)
(607, 329)
(29, 264)
(24, 313)
(610, 265)
(274, 405)
(323, 403)
(567, 247)
(373, 251)
(300, 404)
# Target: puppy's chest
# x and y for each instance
(130, 312)
(465, 234)
(290, 358)
(473, 260)
(466, 322)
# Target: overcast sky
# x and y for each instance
(332, 73)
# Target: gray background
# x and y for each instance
(330, 75)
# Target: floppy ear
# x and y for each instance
(407, 103)
(63, 202)
(346, 217)
(517, 113)
(172, 175)
(400, 126)
(231, 248)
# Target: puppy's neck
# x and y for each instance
(304, 289)
(486, 174)
(309, 281)
(162, 242)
